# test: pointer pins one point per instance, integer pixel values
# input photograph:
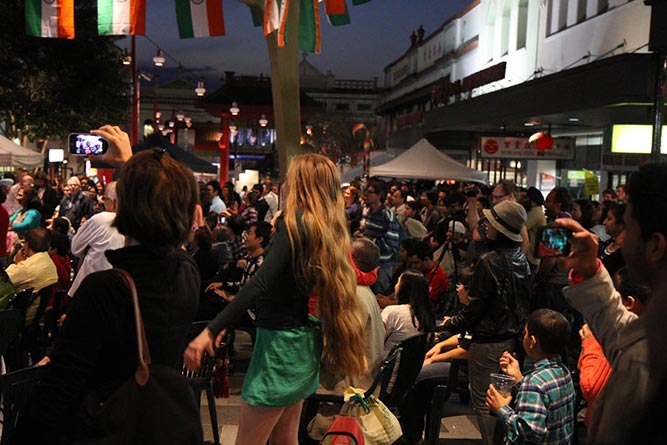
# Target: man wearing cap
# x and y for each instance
(498, 307)
(532, 201)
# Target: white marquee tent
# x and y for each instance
(377, 158)
(14, 155)
(424, 161)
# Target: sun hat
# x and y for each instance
(508, 218)
(7, 182)
(457, 227)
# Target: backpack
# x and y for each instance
(155, 405)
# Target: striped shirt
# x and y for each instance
(381, 227)
(544, 410)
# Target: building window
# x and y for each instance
(505, 28)
(342, 107)
(364, 107)
(603, 6)
(489, 31)
(581, 10)
(522, 26)
(562, 15)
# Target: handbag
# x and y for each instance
(378, 424)
(155, 405)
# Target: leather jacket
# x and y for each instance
(499, 298)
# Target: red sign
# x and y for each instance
(490, 146)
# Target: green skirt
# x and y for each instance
(285, 365)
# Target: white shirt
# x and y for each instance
(217, 205)
(272, 200)
(398, 325)
(93, 238)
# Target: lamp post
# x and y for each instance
(134, 124)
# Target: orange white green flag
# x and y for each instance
(50, 18)
(199, 18)
(120, 17)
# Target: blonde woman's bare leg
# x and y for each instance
(286, 431)
(256, 424)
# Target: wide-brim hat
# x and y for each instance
(508, 218)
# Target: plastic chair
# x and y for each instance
(17, 388)
(201, 380)
(441, 394)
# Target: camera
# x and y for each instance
(86, 144)
(552, 241)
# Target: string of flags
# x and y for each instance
(196, 18)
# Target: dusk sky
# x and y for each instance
(377, 35)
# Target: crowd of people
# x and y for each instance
(317, 272)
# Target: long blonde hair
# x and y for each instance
(314, 192)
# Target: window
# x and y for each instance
(505, 28)
(581, 10)
(562, 15)
(522, 25)
(342, 107)
(364, 107)
(603, 6)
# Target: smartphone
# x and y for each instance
(552, 241)
(87, 144)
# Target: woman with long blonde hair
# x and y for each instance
(308, 255)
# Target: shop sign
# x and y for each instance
(447, 89)
(520, 148)
(547, 181)
(410, 119)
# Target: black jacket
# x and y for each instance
(499, 298)
(96, 350)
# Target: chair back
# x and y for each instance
(406, 370)
(17, 388)
(11, 322)
(207, 362)
(23, 299)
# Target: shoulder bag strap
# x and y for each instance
(142, 374)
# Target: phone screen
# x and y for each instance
(87, 144)
(552, 241)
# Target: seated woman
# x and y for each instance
(435, 370)
(412, 315)
(95, 351)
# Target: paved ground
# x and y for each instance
(459, 425)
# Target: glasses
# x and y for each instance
(498, 196)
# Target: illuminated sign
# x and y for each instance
(520, 148)
(635, 139)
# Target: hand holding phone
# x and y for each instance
(552, 241)
(87, 144)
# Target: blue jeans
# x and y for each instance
(482, 361)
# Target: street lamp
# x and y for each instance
(126, 58)
(179, 115)
(263, 121)
(200, 90)
(159, 60)
(234, 109)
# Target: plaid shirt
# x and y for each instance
(236, 249)
(544, 411)
(381, 227)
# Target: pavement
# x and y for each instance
(459, 426)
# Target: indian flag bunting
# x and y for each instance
(274, 11)
(334, 7)
(257, 16)
(309, 26)
(50, 18)
(117, 17)
(283, 23)
(199, 18)
(339, 19)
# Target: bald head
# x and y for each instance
(365, 254)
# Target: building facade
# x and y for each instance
(501, 70)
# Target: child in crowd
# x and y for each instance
(544, 408)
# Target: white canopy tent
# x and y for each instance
(377, 158)
(14, 155)
(424, 161)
